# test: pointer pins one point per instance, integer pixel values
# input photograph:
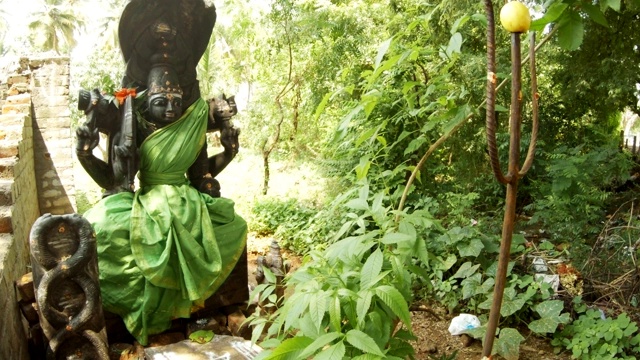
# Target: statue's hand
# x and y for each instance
(88, 139)
(229, 140)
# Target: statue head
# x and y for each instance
(164, 98)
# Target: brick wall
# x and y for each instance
(19, 204)
(52, 134)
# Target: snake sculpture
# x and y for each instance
(65, 271)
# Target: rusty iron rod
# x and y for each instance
(512, 188)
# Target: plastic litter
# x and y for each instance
(462, 323)
(553, 280)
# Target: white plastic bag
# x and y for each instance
(463, 322)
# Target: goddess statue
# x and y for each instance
(167, 246)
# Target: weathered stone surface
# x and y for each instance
(238, 325)
(165, 339)
(19, 99)
(220, 347)
(17, 78)
(29, 311)
(16, 89)
(5, 192)
(25, 287)
(5, 219)
(16, 109)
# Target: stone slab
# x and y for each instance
(220, 347)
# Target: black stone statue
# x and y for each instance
(172, 34)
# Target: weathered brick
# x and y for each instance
(16, 109)
(19, 99)
(6, 225)
(5, 192)
(17, 78)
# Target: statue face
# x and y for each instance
(165, 108)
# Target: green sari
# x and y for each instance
(166, 248)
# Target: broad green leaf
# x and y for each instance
(473, 248)
(363, 342)
(571, 31)
(357, 204)
(319, 343)
(290, 349)
(465, 270)
(318, 307)
(334, 352)
(508, 344)
(448, 262)
(382, 50)
(368, 357)
(455, 44)
(335, 315)
(470, 285)
(595, 14)
(362, 305)
(552, 14)
(458, 23)
(614, 4)
(395, 238)
(395, 301)
(511, 306)
(371, 269)
(461, 115)
(201, 336)
(410, 85)
(321, 106)
(415, 144)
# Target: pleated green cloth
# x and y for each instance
(166, 248)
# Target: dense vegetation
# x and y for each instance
(386, 98)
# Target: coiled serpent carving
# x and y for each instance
(63, 250)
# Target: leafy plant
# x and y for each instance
(592, 336)
(352, 298)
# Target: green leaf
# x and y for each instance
(363, 342)
(571, 31)
(368, 357)
(201, 336)
(552, 14)
(318, 307)
(382, 50)
(335, 314)
(357, 204)
(362, 305)
(595, 14)
(614, 4)
(334, 352)
(395, 238)
(473, 248)
(461, 115)
(395, 301)
(466, 270)
(290, 349)
(508, 344)
(371, 269)
(455, 44)
(319, 343)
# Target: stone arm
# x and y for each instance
(229, 140)
(102, 117)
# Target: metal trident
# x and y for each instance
(514, 172)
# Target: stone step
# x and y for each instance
(5, 220)
(6, 167)
(5, 192)
(5, 243)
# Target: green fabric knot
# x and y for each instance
(166, 178)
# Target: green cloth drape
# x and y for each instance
(167, 247)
